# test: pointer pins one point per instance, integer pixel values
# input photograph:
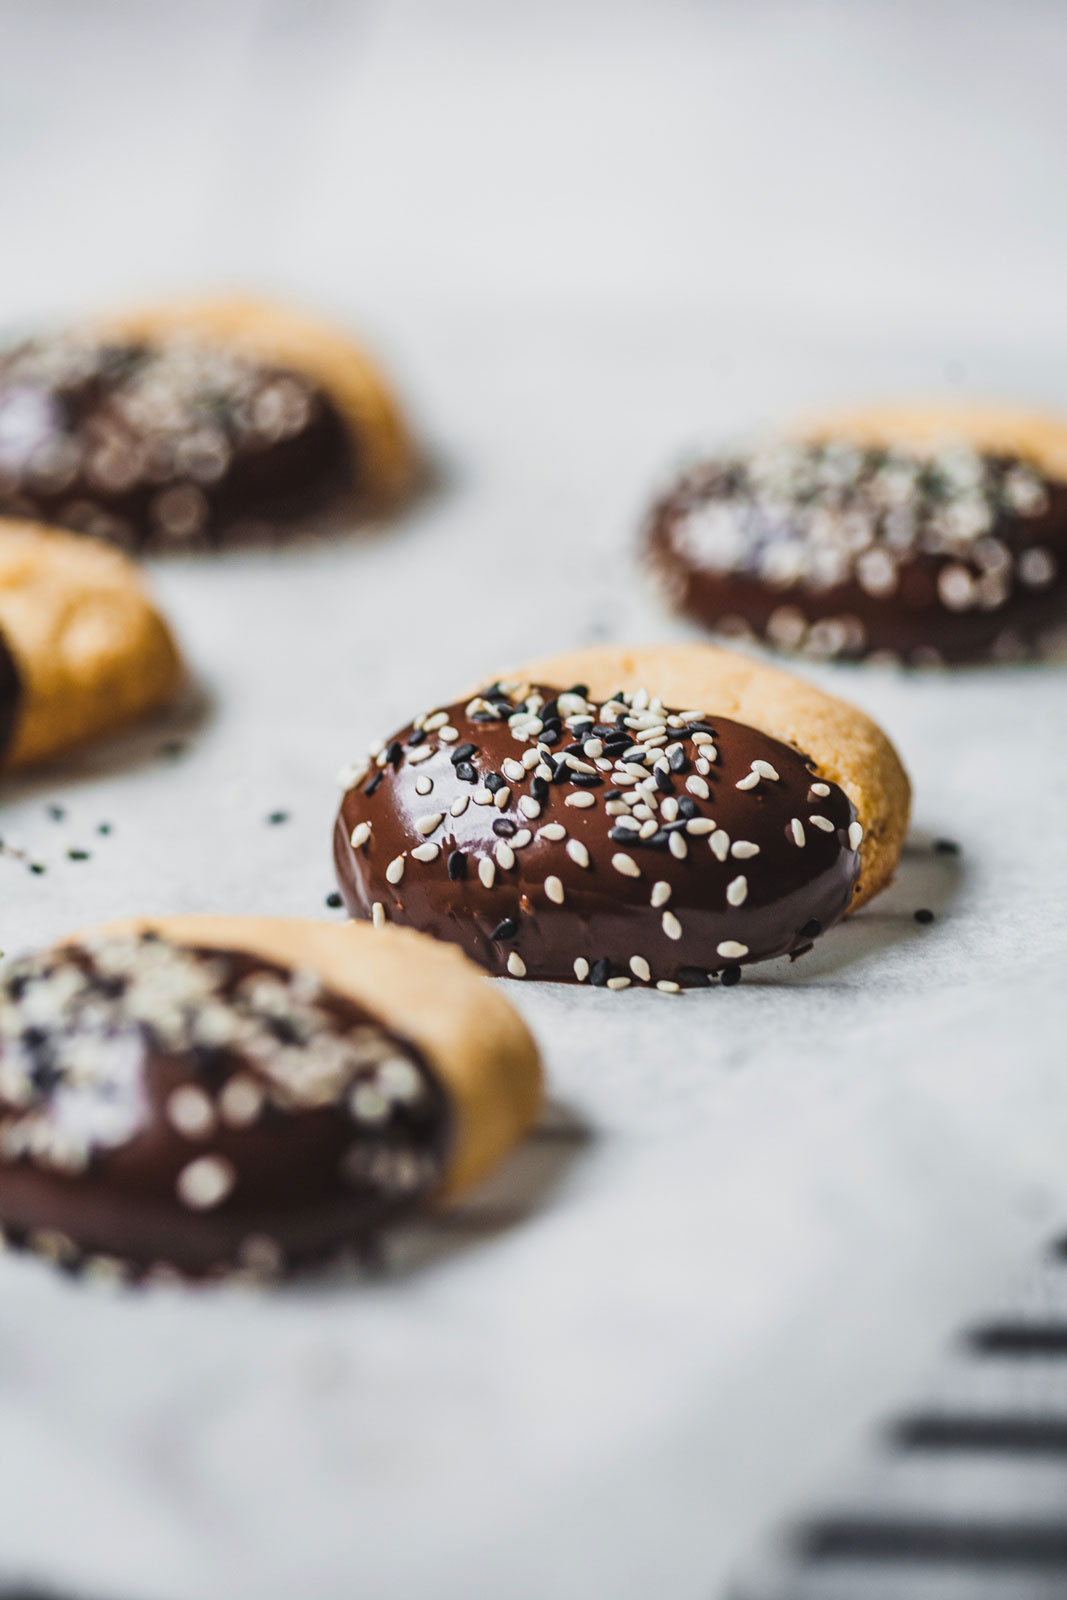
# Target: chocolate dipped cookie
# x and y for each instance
(922, 534)
(182, 426)
(220, 1095)
(83, 650)
(660, 816)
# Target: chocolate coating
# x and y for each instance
(839, 551)
(202, 1110)
(165, 446)
(10, 695)
(645, 861)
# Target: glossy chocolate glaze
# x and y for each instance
(166, 446)
(202, 1111)
(502, 888)
(10, 696)
(842, 552)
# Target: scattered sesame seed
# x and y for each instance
(668, 986)
(661, 893)
(797, 829)
(678, 846)
(513, 769)
(924, 915)
(459, 805)
(529, 806)
(428, 823)
(824, 823)
(487, 871)
(521, 839)
(698, 786)
(377, 914)
(395, 870)
(505, 855)
(57, 813)
(581, 969)
(731, 949)
(334, 901)
(423, 753)
(737, 890)
(190, 1112)
(944, 847)
(360, 835)
(552, 831)
(516, 965)
(78, 855)
(729, 976)
(640, 968)
(205, 1182)
(765, 770)
(276, 818)
(577, 852)
(671, 926)
(625, 864)
(423, 785)
(437, 720)
(821, 789)
(744, 849)
(619, 983)
(426, 852)
(581, 799)
(720, 844)
(457, 866)
(855, 835)
(749, 781)
(507, 928)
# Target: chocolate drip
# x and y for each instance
(835, 551)
(204, 1110)
(167, 446)
(604, 856)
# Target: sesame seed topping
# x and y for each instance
(437, 720)
(377, 914)
(737, 891)
(487, 871)
(678, 846)
(459, 805)
(577, 852)
(744, 849)
(423, 753)
(797, 829)
(625, 864)
(671, 926)
(749, 781)
(395, 870)
(554, 890)
(820, 789)
(360, 835)
(668, 986)
(765, 770)
(521, 839)
(720, 844)
(205, 1182)
(423, 785)
(426, 852)
(529, 806)
(513, 769)
(190, 1112)
(552, 831)
(505, 855)
(698, 786)
(640, 968)
(731, 949)
(431, 821)
(516, 965)
(824, 823)
(661, 893)
(581, 969)
(619, 983)
(855, 835)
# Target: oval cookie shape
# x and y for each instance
(920, 537)
(617, 841)
(186, 425)
(215, 1095)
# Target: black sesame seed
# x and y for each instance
(660, 840)
(700, 727)
(461, 753)
(334, 901)
(687, 806)
(457, 865)
(539, 790)
(373, 784)
(277, 817)
(78, 855)
(586, 780)
(623, 836)
(550, 712)
(504, 828)
(810, 930)
(507, 929)
(946, 847)
(104, 828)
(485, 716)
(600, 972)
(678, 826)
(678, 760)
(38, 868)
(663, 781)
(550, 736)
(603, 730)
(465, 772)
(56, 813)
(393, 754)
(494, 782)
(582, 726)
(729, 976)
(924, 915)
(581, 689)
(693, 978)
(612, 794)
(418, 737)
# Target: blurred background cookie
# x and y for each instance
(922, 534)
(240, 1094)
(182, 425)
(83, 649)
(656, 816)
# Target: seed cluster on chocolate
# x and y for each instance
(614, 843)
(835, 550)
(172, 445)
(202, 1110)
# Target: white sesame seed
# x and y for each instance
(765, 770)
(619, 983)
(629, 823)
(554, 890)
(487, 871)
(593, 748)
(482, 797)
(422, 753)
(577, 852)
(749, 781)
(697, 786)
(671, 926)
(505, 855)
(377, 914)
(581, 799)
(395, 870)
(744, 849)
(352, 774)
(553, 831)
(700, 825)
(240, 1102)
(426, 852)
(625, 864)
(613, 808)
(701, 737)
(521, 839)
(797, 828)
(668, 986)
(678, 846)
(647, 829)
(501, 797)
(190, 1112)
(720, 844)
(821, 789)
(423, 785)
(516, 965)
(449, 734)
(432, 820)
(640, 968)
(737, 890)
(581, 969)
(661, 893)
(544, 772)
(360, 835)
(855, 835)
(530, 759)
(205, 1182)
(731, 949)
(703, 767)
(436, 721)
(459, 805)
(821, 822)
(529, 806)
(513, 769)
(669, 809)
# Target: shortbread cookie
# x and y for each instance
(217, 1094)
(655, 816)
(83, 651)
(922, 534)
(179, 426)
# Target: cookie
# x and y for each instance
(83, 651)
(211, 1095)
(918, 534)
(181, 426)
(656, 816)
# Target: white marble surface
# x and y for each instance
(586, 235)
